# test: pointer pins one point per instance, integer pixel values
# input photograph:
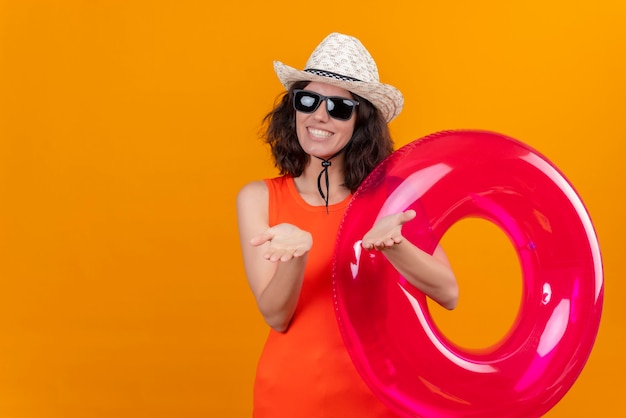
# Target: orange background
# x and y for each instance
(127, 128)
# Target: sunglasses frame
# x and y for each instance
(321, 98)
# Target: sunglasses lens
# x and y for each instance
(306, 102)
(337, 107)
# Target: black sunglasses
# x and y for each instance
(339, 108)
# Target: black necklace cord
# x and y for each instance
(325, 164)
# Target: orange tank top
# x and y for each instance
(307, 371)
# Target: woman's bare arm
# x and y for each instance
(274, 257)
(431, 274)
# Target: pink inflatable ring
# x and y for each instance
(385, 322)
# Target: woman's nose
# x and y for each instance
(321, 113)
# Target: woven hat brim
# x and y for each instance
(387, 99)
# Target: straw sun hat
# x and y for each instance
(343, 61)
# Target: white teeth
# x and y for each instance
(319, 133)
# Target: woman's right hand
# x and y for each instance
(286, 242)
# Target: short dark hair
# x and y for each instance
(370, 144)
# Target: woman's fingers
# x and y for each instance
(285, 242)
(387, 232)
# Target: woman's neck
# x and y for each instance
(308, 186)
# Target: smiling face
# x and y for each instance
(319, 134)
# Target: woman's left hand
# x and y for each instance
(387, 231)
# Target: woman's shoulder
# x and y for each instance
(253, 191)
(261, 186)
(258, 192)
(252, 202)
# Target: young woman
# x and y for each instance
(326, 134)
